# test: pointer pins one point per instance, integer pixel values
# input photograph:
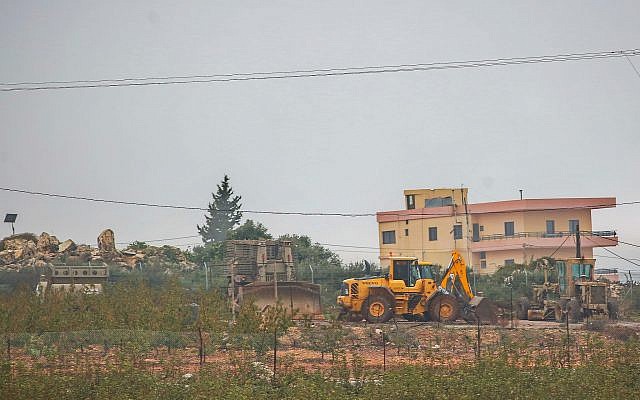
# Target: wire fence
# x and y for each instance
(315, 347)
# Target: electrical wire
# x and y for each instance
(234, 77)
(613, 240)
(559, 247)
(615, 254)
(162, 240)
(300, 213)
(178, 207)
(588, 54)
(603, 256)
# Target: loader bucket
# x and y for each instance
(300, 299)
(483, 309)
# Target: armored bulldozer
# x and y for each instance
(576, 295)
(263, 271)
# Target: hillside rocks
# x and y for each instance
(27, 250)
(67, 245)
(47, 243)
(106, 241)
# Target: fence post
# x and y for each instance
(384, 352)
(275, 351)
(478, 339)
(201, 354)
(568, 337)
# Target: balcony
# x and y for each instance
(546, 235)
(520, 240)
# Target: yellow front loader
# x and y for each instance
(412, 290)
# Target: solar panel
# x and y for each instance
(10, 218)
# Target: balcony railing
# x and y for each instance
(544, 235)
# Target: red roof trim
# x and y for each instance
(501, 207)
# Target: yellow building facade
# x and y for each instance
(490, 235)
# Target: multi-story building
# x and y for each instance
(490, 235)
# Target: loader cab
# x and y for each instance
(572, 271)
(405, 269)
(429, 270)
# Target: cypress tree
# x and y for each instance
(223, 214)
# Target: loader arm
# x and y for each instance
(455, 280)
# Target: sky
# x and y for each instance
(326, 144)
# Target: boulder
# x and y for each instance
(67, 245)
(47, 243)
(106, 241)
(27, 251)
(7, 257)
(15, 242)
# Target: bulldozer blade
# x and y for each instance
(483, 309)
(300, 299)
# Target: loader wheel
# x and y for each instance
(557, 311)
(444, 308)
(523, 308)
(376, 309)
(574, 311)
(612, 308)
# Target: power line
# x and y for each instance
(615, 240)
(615, 254)
(162, 240)
(603, 256)
(559, 247)
(300, 213)
(179, 207)
(633, 66)
(157, 78)
(312, 73)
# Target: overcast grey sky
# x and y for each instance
(324, 144)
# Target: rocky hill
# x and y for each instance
(26, 250)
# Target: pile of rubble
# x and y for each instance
(27, 250)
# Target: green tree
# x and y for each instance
(223, 214)
(250, 230)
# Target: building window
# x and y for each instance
(388, 237)
(476, 232)
(411, 201)
(509, 262)
(481, 228)
(483, 255)
(573, 225)
(433, 233)
(406, 222)
(483, 264)
(551, 226)
(509, 229)
(457, 231)
(406, 232)
(438, 202)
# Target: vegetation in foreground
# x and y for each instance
(487, 379)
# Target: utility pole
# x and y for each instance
(233, 290)
(206, 276)
(275, 281)
(511, 300)
(466, 213)
(520, 194)
(578, 250)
